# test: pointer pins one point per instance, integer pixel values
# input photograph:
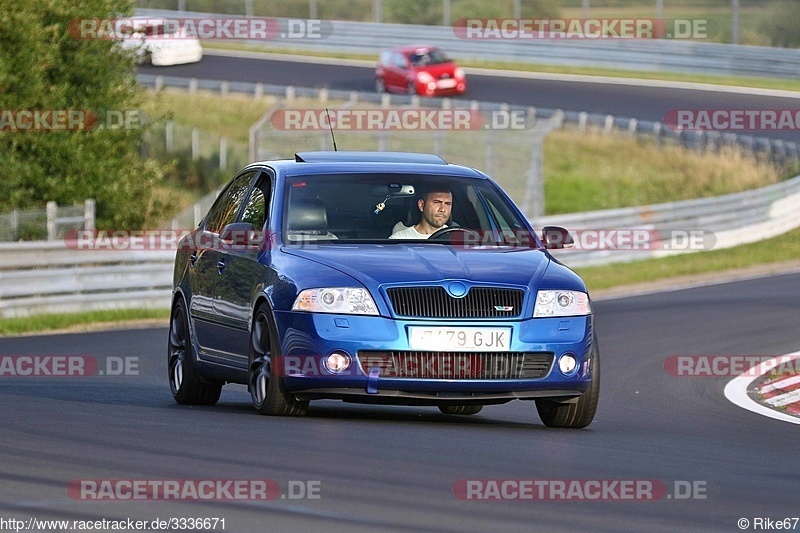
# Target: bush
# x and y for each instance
(43, 67)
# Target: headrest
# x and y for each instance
(306, 215)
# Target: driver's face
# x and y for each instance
(436, 208)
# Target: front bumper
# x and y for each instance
(307, 339)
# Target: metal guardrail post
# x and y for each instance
(223, 153)
(52, 213)
(14, 225)
(89, 214)
(195, 144)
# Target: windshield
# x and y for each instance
(394, 208)
(427, 56)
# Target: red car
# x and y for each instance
(423, 70)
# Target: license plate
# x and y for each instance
(447, 83)
(459, 339)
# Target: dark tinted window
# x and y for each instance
(427, 56)
(255, 211)
(228, 204)
(348, 207)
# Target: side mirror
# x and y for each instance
(238, 234)
(556, 238)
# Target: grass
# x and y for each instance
(48, 322)
(583, 170)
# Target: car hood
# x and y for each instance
(381, 264)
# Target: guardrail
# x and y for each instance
(717, 222)
(49, 277)
(659, 55)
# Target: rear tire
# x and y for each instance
(184, 381)
(578, 414)
(412, 89)
(460, 409)
(267, 389)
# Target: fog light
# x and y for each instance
(568, 364)
(337, 362)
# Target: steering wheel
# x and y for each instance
(442, 234)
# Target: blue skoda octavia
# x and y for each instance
(386, 278)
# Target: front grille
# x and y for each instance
(457, 365)
(435, 302)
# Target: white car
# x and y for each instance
(159, 43)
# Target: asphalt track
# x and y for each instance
(641, 102)
(394, 468)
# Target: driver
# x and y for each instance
(435, 206)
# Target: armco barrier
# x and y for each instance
(659, 55)
(41, 277)
(49, 277)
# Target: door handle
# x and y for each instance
(193, 258)
(221, 265)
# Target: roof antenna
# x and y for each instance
(331, 126)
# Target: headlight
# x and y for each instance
(342, 300)
(561, 303)
(459, 72)
(424, 77)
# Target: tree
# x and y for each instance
(43, 67)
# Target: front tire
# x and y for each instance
(266, 386)
(184, 381)
(578, 414)
(380, 86)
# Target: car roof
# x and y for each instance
(407, 49)
(309, 163)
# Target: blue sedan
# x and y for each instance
(385, 278)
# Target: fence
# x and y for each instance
(779, 151)
(659, 55)
(49, 223)
(168, 138)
